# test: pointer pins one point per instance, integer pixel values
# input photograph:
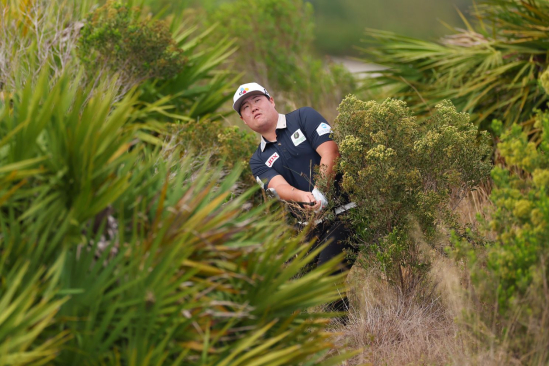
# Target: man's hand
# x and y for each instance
(289, 193)
(308, 197)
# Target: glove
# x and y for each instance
(320, 197)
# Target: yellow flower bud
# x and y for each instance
(522, 209)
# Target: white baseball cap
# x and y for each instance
(244, 91)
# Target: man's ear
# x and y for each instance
(243, 120)
(272, 101)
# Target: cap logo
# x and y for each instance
(243, 91)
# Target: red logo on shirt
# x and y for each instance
(271, 160)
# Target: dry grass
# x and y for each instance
(397, 329)
(475, 203)
(442, 323)
(36, 34)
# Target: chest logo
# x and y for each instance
(323, 129)
(271, 160)
(298, 137)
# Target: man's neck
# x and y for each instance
(270, 136)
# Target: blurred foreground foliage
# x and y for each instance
(118, 247)
(489, 70)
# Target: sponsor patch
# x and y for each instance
(298, 137)
(271, 160)
(323, 129)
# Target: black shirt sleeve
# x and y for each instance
(314, 126)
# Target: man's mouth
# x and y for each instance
(257, 115)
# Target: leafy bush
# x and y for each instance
(401, 172)
(522, 218)
(489, 70)
(185, 100)
(115, 38)
(203, 86)
(263, 30)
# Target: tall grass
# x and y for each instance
(399, 329)
(49, 27)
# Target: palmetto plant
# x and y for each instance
(114, 253)
(489, 70)
(117, 251)
(203, 86)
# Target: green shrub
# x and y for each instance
(402, 172)
(115, 38)
(522, 218)
(181, 101)
(272, 37)
(205, 83)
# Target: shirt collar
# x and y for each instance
(281, 123)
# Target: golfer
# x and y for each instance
(291, 146)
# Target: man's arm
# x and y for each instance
(288, 193)
(328, 152)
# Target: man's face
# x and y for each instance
(259, 113)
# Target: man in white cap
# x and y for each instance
(291, 146)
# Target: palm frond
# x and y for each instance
(479, 71)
